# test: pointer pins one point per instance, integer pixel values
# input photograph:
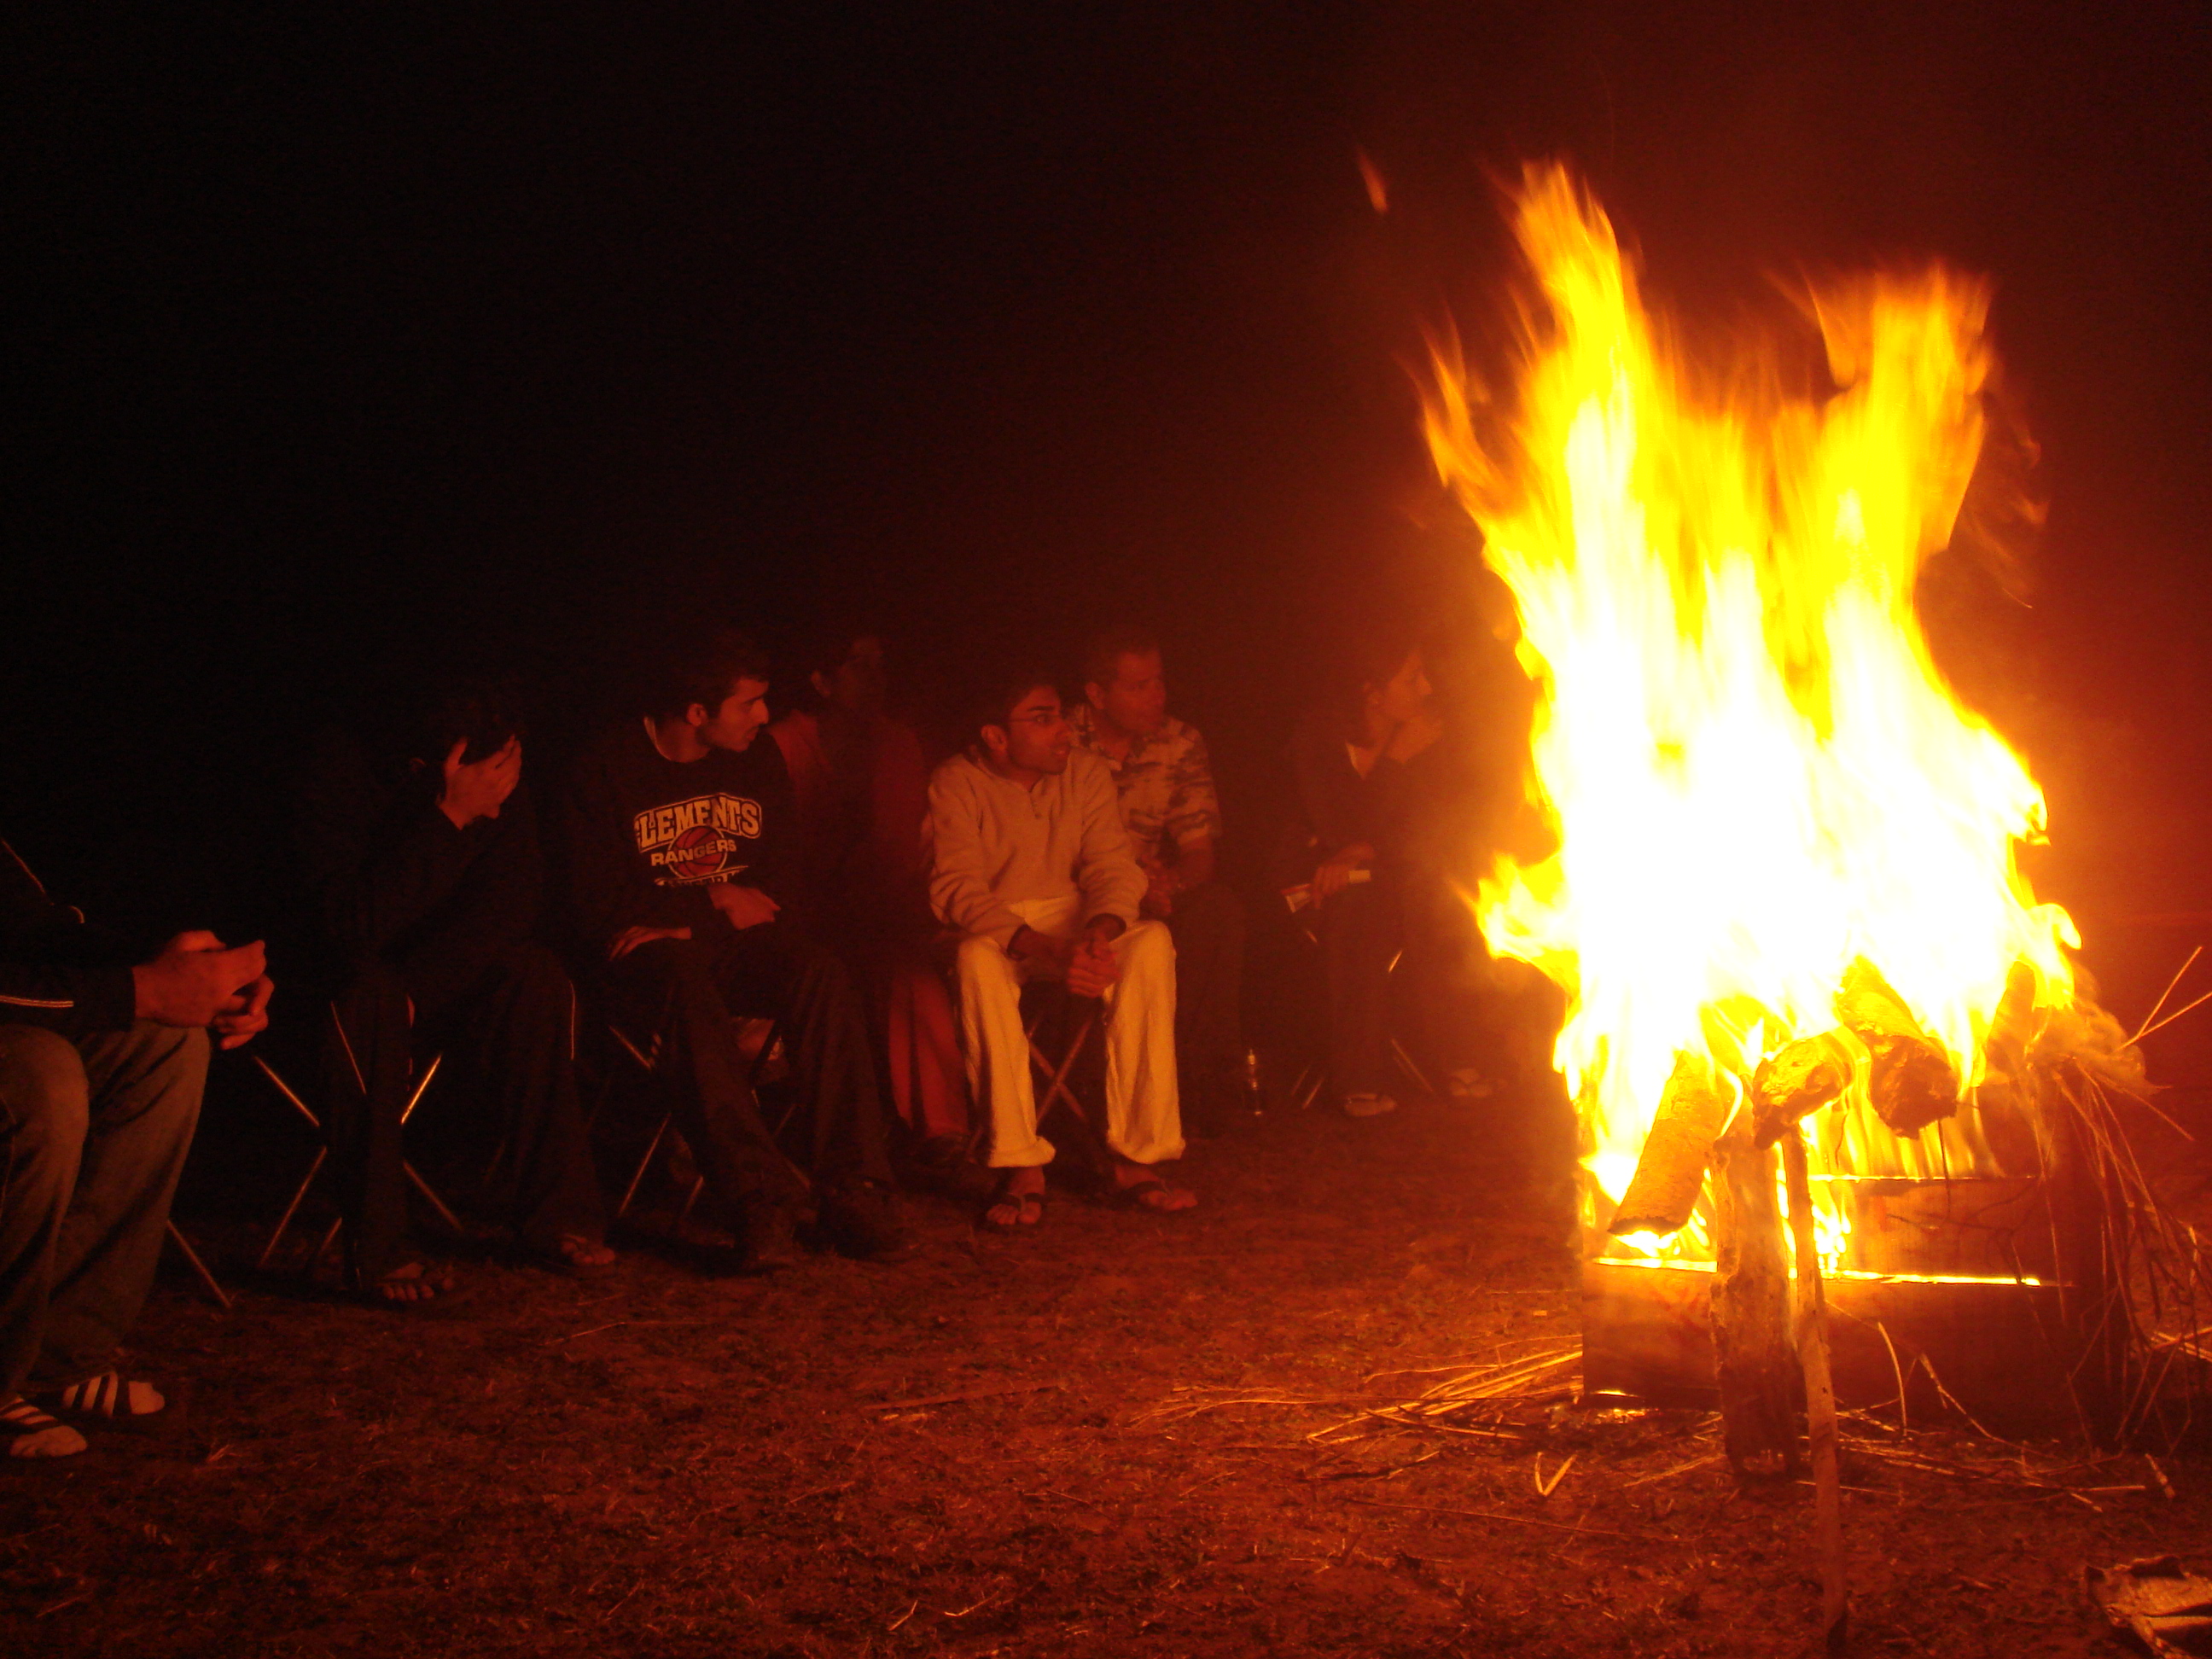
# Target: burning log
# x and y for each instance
(1750, 1308)
(1911, 1081)
(1671, 1173)
(1797, 1080)
(1820, 1432)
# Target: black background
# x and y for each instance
(369, 325)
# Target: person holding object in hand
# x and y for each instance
(1353, 761)
(102, 1064)
(1032, 865)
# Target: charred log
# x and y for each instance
(1911, 1080)
(1796, 1080)
(1750, 1310)
(1671, 1173)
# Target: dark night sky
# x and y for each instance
(371, 320)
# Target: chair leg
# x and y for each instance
(207, 1276)
(298, 1192)
(1406, 1064)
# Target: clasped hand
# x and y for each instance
(1086, 963)
(199, 982)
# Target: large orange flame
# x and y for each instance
(1754, 768)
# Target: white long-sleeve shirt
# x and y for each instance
(997, 844)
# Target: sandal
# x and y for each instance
(579, 1253)
(26, 1431)
(110, 1401)
(411, 1285)
(1010, 1210)
(1153, 1194)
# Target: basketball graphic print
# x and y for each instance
(689, 842)
(695, 854)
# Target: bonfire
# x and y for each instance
(1807, 982)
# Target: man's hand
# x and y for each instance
(1413, 736)
(1093, 969)
(742, 906)
(480, 788)
(247, 1012)
(630, 937)
(1162, 883)
(195, 980)
(1334, 874)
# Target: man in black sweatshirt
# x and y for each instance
(423, 867)
(101, 1067)
(681, 834)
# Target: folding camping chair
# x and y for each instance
(768, 1034)
(1041, 1002)
(429, 1194)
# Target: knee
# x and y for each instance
(981, 960)
(179, 1060)
(1147, 945)
(43, 1091)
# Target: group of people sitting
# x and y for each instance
(700, 863)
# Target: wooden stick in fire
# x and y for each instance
(1820, 1434)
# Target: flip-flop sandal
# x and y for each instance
(439, 1281)
(1028, 1207)
(1138, 1196)
(28, 1433)
(578, 1254)
(109, 1401)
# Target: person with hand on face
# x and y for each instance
(682, 847)
(425, 878)
(1350, 764)
(1173, 814)
(1033, 867)
(102, 1064)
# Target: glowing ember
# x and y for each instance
(1755, 773)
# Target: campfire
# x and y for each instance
(1820, 1032)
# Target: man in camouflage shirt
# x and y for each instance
(1173, 817)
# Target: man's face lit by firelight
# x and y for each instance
(736, 721)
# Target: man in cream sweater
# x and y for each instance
(1032, 865)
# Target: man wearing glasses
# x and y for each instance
(1033, 867)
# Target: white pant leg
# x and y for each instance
(1144, 1111)
(998, 1053)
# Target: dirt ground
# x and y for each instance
(991, 1450)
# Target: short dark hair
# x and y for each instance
(705, 670)
(1369, 656)
(822, 646)
(1110, 645)
(995, 697)
(480, 710)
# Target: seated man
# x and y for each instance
(1033, 867)
(1173, 815)
(424, 866)
(682, 841)
(101, 1066)
(862, 789)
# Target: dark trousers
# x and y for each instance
(697, 986)
(1362, 932)
(508, 1017)
(93, 1136)
(1207, 923)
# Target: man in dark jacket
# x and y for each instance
(101, 1067)
(683, 862)
(427, 878)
